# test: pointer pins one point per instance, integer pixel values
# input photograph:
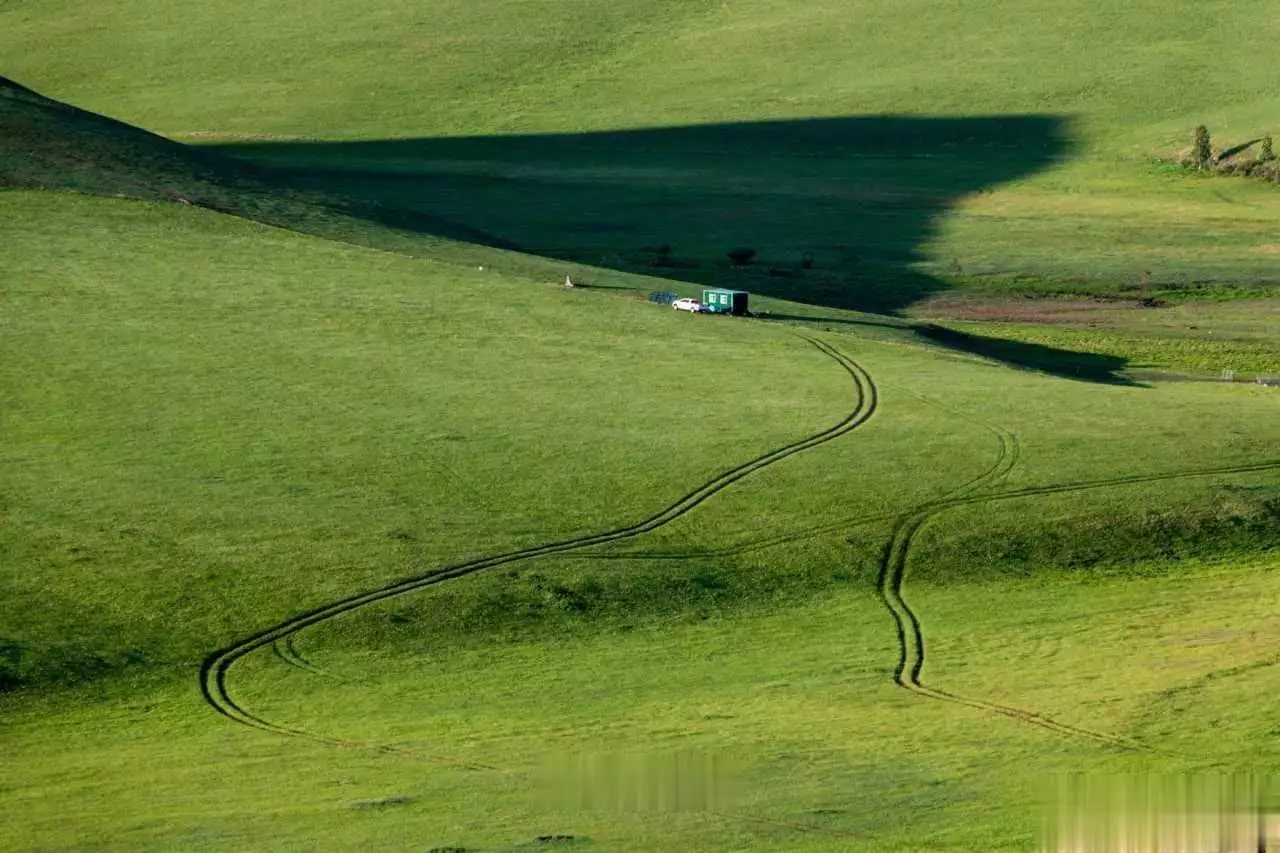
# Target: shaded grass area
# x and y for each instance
(1093, 367)
(893, 188)
(850, 198)
(45, 144)
(1195, 354)
(836, 209)
(1133, 81)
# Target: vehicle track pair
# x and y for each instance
(216, 668)
(911, 636)
(1007, 457)
(912, 647)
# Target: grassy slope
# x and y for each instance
(399, 413)
(797, 698)
(875, 59)
(334, 440)
(211, 424)
(46, 144)
(800, 174)
(1131, 82)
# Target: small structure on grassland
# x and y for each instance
(720, 301)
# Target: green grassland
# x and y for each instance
(330, 519)
(470, 96)
(829, 756)
(214, 425)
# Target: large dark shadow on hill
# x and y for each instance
(838, 209)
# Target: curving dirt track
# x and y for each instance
(214, 672)
(911, 636)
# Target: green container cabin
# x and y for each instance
(721, 301)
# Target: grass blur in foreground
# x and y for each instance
(1218, 813)
(672, 781)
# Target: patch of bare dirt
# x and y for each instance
(1023, 310)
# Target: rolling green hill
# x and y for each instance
(330, 519)
(188, 465)
(1125, 85)
(45, 144)
(48, 145)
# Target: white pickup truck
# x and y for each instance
(687, 304)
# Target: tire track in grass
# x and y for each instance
(284, 648)
(912, 648)
(911, 637)
(1006, 457)
(216, 668)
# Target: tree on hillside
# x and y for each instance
(1203, 152)
(1267, 153)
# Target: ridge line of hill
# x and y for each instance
(49, 144)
